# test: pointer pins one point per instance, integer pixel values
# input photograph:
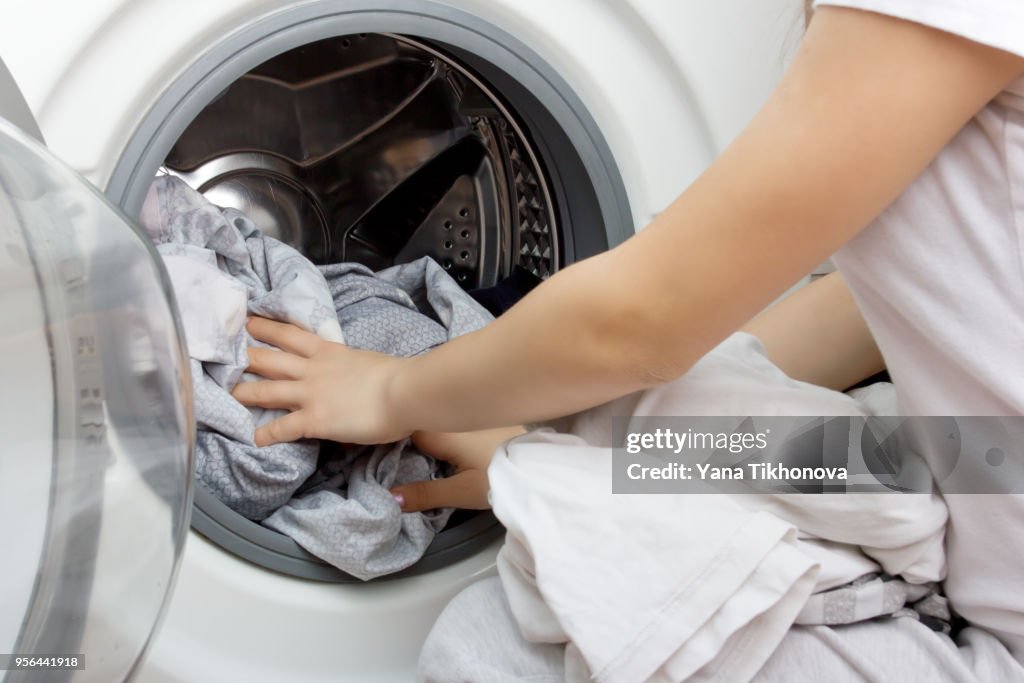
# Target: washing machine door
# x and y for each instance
(96, 424)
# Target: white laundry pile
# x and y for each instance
(222, 269)
(669, 587)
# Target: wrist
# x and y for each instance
(399, 395)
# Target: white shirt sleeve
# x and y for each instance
(997, 23)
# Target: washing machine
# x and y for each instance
(489, 134)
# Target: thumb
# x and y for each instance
(466, 489)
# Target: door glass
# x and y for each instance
(96, 424)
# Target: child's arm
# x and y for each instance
(818, 335)
(868, 101)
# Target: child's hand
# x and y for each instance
(470, 453)
(333, 391)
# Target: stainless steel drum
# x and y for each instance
(378, 149)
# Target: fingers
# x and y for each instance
(466, 489)
(275, 364)
(284, 336)
(291, 427)
(269, 394)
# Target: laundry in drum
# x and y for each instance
(333, 501)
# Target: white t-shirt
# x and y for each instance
(939, 276)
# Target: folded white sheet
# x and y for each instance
(668, 587)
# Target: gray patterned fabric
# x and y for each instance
(336, 504)
(878, 595)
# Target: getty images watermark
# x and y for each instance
(818, 454)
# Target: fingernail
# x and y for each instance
(399, 498)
